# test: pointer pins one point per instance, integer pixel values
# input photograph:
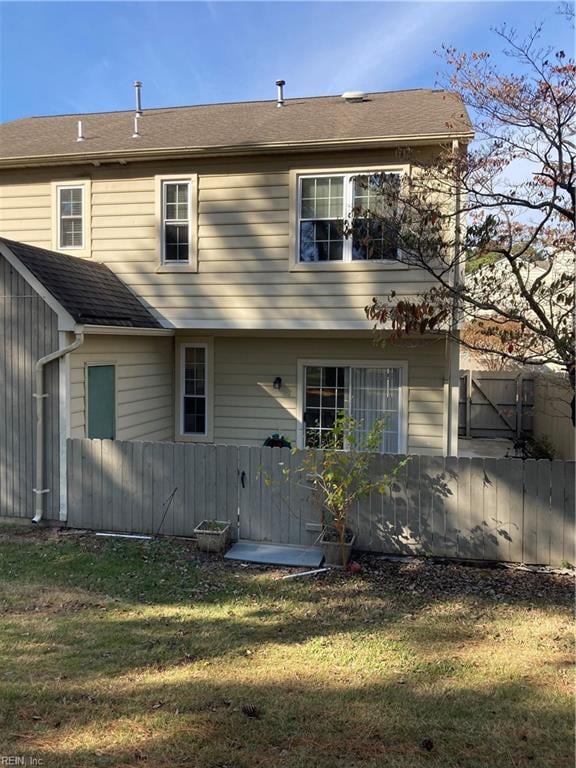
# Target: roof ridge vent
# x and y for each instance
(354, 97)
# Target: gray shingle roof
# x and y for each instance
(419, 112)
(89, 291)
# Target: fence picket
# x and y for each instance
(255, 482)
(452, 531)
(491, 514)
(95, 459)
(544, 512)
(191, 514)
(438, 491)
(463, 509)
(530, 550)
(513, 477)
(475, 538)
(146, 502)
(107, 485)
(177, 521)
(118, 453)
(232, 488)
(221, 508)
(75, 484)
(200, 481)
(569, 535)
(122, 495)
(303, 512)
(243, 488)
(556, 511)
(137, 486)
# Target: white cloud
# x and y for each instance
(402, 38)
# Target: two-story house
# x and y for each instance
(196, 262)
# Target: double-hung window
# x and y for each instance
(70, 217)
(348, 217)
(367, 393)
(176, 222)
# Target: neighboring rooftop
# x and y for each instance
(240, 126)
(89, 291)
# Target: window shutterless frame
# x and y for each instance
(402, 365)
(165, 221)
(169, 266)
(62, 217)
(347, 207)
(347, 263)
(207, 345)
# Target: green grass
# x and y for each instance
(125, 653)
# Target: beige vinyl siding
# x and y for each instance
(26, 212)
(243, 279)
(144, 381)
(247, 408)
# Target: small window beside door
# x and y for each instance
(101, 402)
(194, 405)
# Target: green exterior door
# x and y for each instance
(101, 394)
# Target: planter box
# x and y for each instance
(335, 553)
(213, 536)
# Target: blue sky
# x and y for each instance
(74, 57)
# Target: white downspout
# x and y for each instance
(40, 396)
(453, 347)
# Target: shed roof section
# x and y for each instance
(90, 292)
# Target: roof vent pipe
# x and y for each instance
(80, 136)
(138, 87)
(280, 92)
(136, 134)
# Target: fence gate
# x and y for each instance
(495, 404)
(273, 503)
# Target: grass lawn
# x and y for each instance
(124, 653)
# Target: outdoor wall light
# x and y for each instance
(277, 383)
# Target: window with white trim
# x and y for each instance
(348, 217)
(70, 217)
(194, 389)
(176, 222)
(366, 393)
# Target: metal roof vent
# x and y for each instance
(280, 92)
(80, 135)
(138, 89)
(353, 97)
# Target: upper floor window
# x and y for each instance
(176, 222)
(70, 217)
(348, 217)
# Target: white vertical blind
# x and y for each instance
(375, 394)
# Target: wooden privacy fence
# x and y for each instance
(486, 509)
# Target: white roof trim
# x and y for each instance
(126, 330)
